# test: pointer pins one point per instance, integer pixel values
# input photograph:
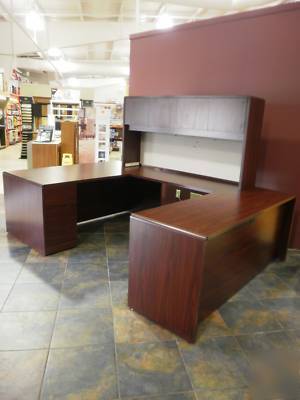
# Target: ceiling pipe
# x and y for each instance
(224, 5)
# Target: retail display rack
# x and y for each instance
(27, 123)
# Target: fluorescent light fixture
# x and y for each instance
(34, 21)
(73, 82)
(54, 52)
(164, 21)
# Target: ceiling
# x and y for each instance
(93, 35)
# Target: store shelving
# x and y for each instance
(27, 123)
(13, 125)
(65, 111)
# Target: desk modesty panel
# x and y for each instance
(43, 205)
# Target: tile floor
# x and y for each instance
(66, 333)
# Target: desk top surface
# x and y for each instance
(70, 173)
(212, 214)
(85, 172)
(222, 206)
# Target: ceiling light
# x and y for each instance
(34, 21)
(54, 52)
(164, 21)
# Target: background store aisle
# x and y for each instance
(10, 161)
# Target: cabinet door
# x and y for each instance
(162, 114)
(227, 117)
(136, 113)
(192, 115)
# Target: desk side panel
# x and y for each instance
(233, 258)
(24, 211)
(60, 216)
(165, 275)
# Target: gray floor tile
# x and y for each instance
(87, 273)
(117, 225)
(120, 239)
(32, 297)
(287, 311)
(151, 368)
(21, 374)
(291, 277)
(9, 271)
(86, 294)
(91, 241)
(248, 316)
(268, 285)
(116, 253)
(14, 254)
(275, 361)
(216, 363)
(131, 327)
(80, 255)
(118, 270)
(82, 327)
(235, 394)
(4, 291)
(57, 258)
(119, 292)
(81, 373)
(26, 330)
(176, 396)
(52, 274)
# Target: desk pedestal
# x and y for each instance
(177, 279)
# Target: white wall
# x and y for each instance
(209, 157)
(113, 92)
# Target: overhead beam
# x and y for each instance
(120, 20)
(26, 33)
(81, 16)
(222, 5)
(67, 16)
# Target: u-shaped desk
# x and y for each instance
(186, 257)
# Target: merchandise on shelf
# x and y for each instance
(86, 119)
(102, 142)
(65, 106)
(13, 120)
(115, 127)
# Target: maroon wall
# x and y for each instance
(255, 53)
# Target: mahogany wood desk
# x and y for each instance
(186, 257)
(205, 248)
